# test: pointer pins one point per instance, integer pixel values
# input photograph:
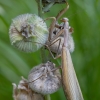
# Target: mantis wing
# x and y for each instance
(70, 83)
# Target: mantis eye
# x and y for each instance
(44, 79)
(27, 31)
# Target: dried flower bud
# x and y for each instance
(43, 79)
(22, 92)
(47, 4)
(28, 32)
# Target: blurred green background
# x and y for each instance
(84, 17)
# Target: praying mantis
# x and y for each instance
(69, 80)
(70, 83)
(55, 39)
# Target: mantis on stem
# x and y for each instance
(70, 83)
(69, 79)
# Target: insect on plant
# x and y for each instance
(28, 33)
(56, 36)
(70, 83)
(25, 37)
(56, 33)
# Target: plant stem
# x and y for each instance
(43, 54)
(40, 13)
(47, 97)
(39, 3)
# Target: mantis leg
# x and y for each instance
(58, 34)
(57, 54)
(52, 26)
(62, 11)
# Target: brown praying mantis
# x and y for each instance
(69, 80)
(70, 83)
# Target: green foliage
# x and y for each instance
(84, 17)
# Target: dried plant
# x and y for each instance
(23, 92)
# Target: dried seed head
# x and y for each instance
(45, 2)
(22, 92)
(27, 31)
(43, 80)
(48, 3)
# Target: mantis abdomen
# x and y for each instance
(70, 83)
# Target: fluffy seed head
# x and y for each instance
(28, 32)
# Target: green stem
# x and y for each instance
(39, 3)
(43, 55)
(47, 97)
(40, 13)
